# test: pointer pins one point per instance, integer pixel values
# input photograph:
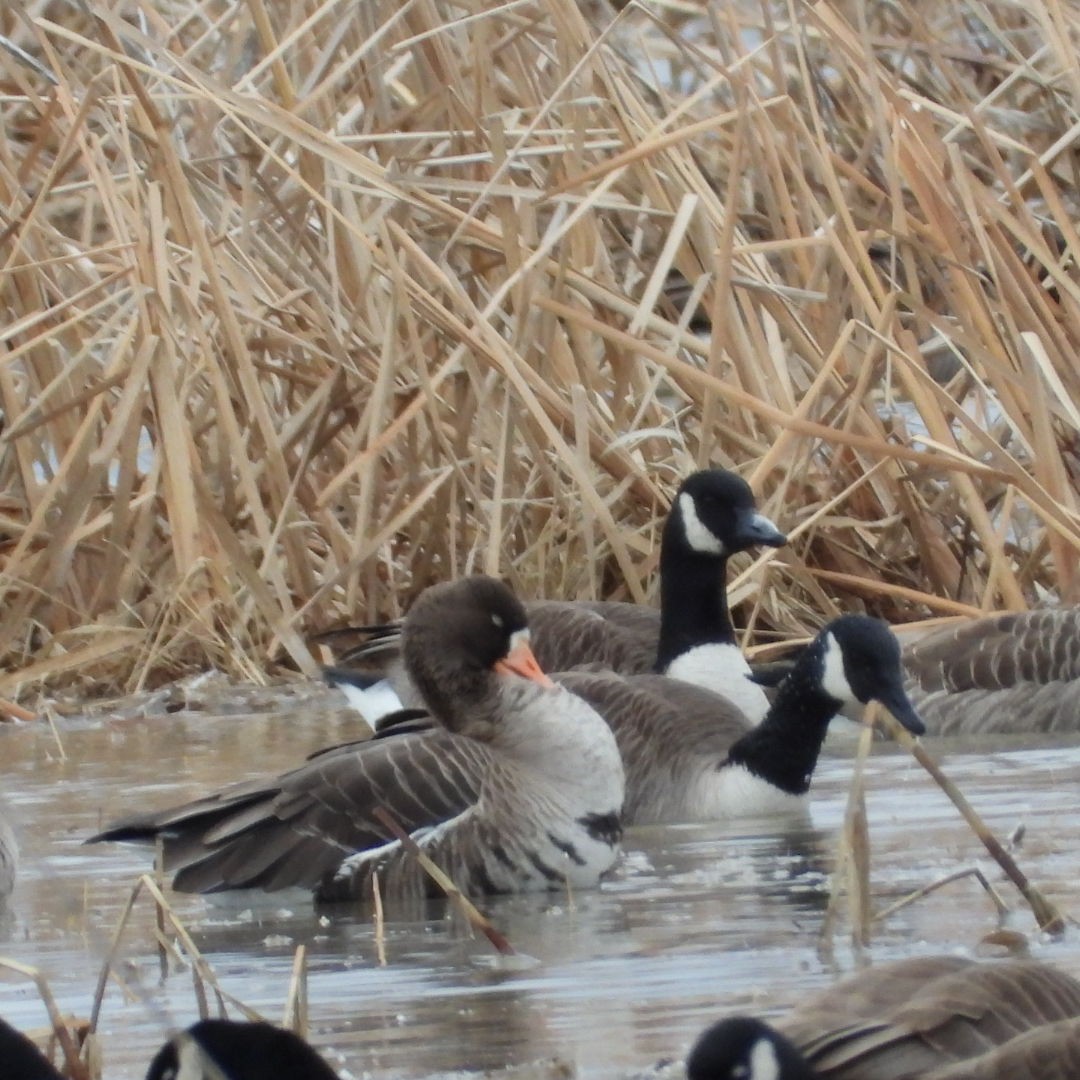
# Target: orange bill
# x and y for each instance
(520, 661)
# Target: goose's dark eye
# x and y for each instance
(497, 620)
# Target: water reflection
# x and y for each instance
(698, 920)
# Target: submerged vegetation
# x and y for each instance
(307, 303)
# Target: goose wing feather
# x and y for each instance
(926, 1014)
(1004, 673)
(998, 652)
(619, 636)
(1051, 1052)
(297, 829)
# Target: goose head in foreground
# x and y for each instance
(208, 1050)
(690, 755)
(517, 784)
(934, 1018)
(232, 1050)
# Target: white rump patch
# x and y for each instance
(378, 700)
(764, 1064)
(833, 680)
(723, 669)
(698, 536)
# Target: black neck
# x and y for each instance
(693, 601)
(783, 749)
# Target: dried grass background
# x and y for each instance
(307, 303)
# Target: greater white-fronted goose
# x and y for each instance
(518, 789)
(931, 1018)
(712, 517)
(208, 1050)
(690, 755)
(1012, 672)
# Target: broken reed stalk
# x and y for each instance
(73, 1063)
(948, 879)
(475, 919)
(1047, 916)
(203, 974)
(295, 1014)
(857, 834)
(379, 918)
(853, 862)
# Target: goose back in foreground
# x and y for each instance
(1011, 672)
(691, 637)
(691, 755)
(934, 1018)
(518, 788)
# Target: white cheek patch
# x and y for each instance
(833, 680)
(763, 1061)
(195, 1063)
(698, 536)
(518, 637)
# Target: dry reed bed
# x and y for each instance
(305, 304)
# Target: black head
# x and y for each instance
(455, 638)
(714, 513)
(212, 1049)
(862, 662)
(742, 1048)
(20, 1059)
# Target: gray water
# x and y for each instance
(698, 921)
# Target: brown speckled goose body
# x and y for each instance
(518, 788)
(928, 1018)
(1010, 672)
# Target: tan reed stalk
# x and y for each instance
(303, 310)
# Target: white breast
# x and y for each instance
(733, 792)
(723, 670)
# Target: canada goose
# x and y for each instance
(713, 516)
(690, 755)
(1012, 672)
(208, 1050)
(929, 1018)
(518, 789)
(9, 857)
